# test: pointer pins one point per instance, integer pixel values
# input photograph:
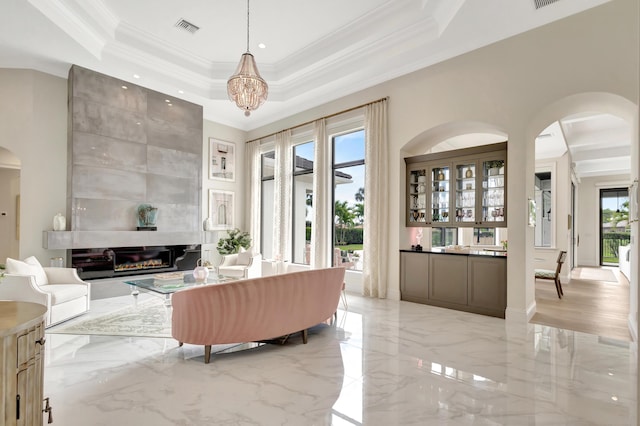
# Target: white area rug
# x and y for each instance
(594, 274)
(148, 319)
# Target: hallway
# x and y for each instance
(596, 301)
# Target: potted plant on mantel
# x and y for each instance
(233, 241)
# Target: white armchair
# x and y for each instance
(241, 265)
(59, 289)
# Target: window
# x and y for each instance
(267, 170)
(544, 224)
(302, 202)
(442, 237)
(484, 236)
(348, 196)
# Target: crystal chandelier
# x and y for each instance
(245, 87)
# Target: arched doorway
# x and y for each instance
(584, 143)
(9, 204)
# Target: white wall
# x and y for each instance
(33, 125)
(227, 134)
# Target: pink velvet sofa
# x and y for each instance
(255, 309)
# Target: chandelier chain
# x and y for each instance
(247, 26)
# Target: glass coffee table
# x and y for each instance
(167, 284)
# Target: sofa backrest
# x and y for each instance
(255, 309)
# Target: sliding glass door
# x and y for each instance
(614, 224)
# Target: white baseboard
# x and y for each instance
(519, 316)
(632, 328)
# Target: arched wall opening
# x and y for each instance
(453, 135)
(9, 204)
(583, 226)
(445, 137)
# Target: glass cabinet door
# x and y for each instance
(417, 187)
(465, 193)
(493, 191)
(440, 195)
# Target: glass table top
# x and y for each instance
(170, 283)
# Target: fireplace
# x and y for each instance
(123, 261)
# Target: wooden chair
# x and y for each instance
(547, 274)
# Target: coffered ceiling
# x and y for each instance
(314, 52)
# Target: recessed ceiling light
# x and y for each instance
(262, 45)
(136, 76)
(170, 104)
(124, 87)
(167, 100)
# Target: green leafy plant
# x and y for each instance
(233, 241)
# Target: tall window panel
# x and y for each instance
(268, 209)
(348, 196)
(302, 201)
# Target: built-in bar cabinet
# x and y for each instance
(472, 282)
(459, 188)
(465, 187)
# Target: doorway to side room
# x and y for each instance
(588, 201)
(9, 205)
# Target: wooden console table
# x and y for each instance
(22, 363)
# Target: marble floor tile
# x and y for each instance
(384, 362)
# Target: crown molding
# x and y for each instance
(67, 18)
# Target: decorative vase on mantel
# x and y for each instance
(147, 216)
(59, 222)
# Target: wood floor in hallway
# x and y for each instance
(596, 301)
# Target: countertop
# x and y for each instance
(461, 252)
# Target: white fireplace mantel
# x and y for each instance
(53, 240)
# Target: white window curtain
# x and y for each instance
(252, 194)
(282, 199)
(322, 225)
(376, 207)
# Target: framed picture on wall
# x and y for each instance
(222, 160)
(221, 209)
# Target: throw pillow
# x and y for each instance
(30, 266)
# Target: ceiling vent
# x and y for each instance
(187, 26)
(543, 3)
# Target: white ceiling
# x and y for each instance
(600, 144)
(315, 51)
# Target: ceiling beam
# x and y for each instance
(602, 153)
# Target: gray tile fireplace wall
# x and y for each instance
(129, 145)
